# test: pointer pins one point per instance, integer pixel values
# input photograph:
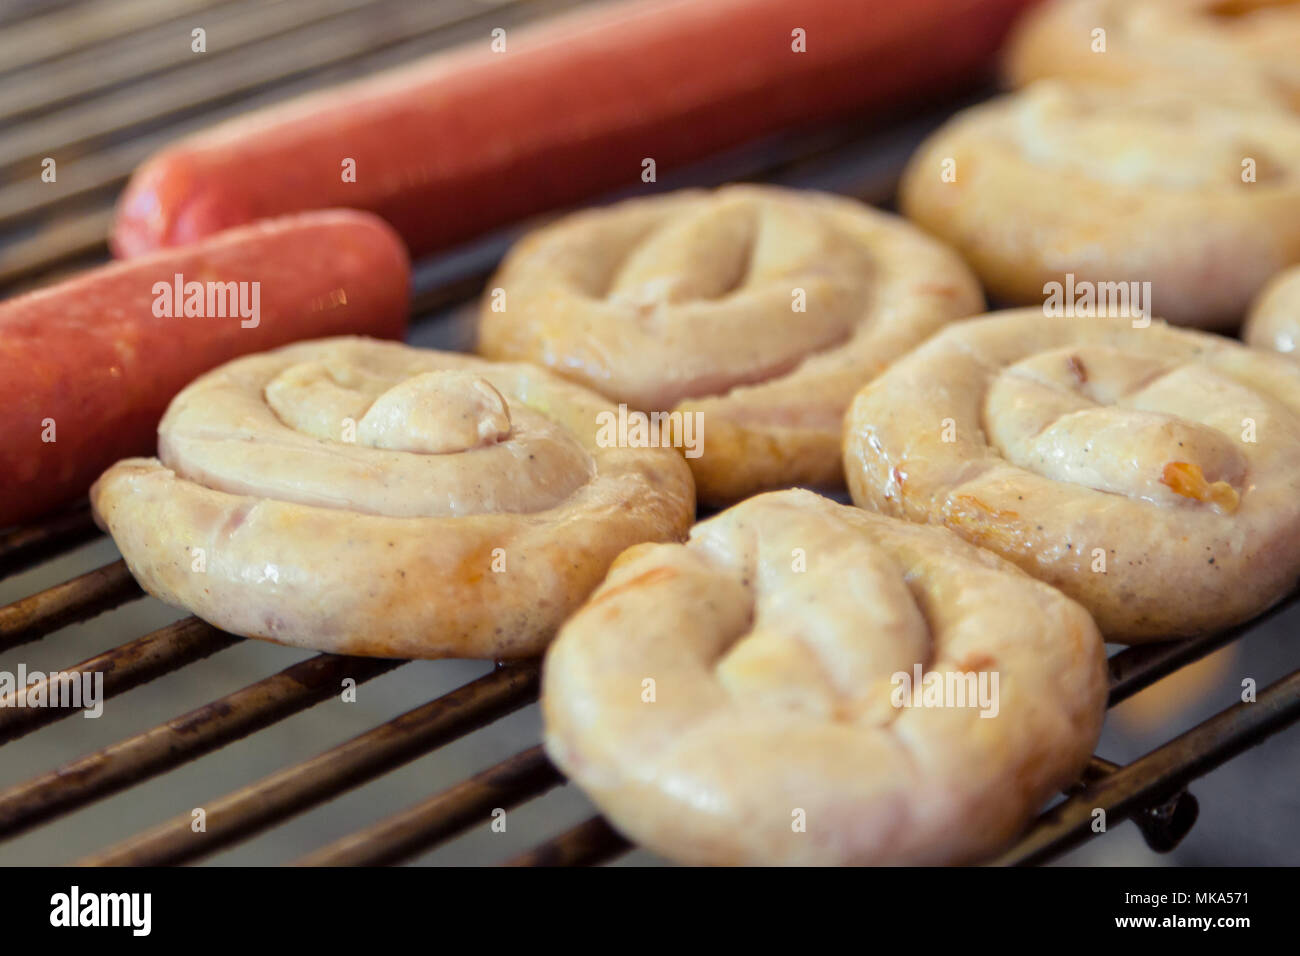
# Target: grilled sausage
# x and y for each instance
(88, 366)
(464, 141)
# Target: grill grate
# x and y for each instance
(99, 92)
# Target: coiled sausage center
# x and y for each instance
(349, 430)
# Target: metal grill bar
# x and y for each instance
(31, 618)
(130, 665)
(1137, 668)
(182, 739)
(383, 34)
(1154, 779)
(24, 547)
(595, 841)
(237, 72)
(1163, 826)
(45, 37)
(97, 174)
(1131, 670)
(70, 239)
(14, 11)
(290, 791)
(591, 842)
(158, 48)
(441, 817)
(277, 797)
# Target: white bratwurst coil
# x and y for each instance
(364, 497)
(761, 311)
(1201, 45)
(739, 699)
(1152, 474)
(1274, 319)
(1196, 195)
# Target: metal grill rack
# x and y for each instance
(99, 86)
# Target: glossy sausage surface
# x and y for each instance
(88, 366)
(470, 139)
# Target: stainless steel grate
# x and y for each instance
(100, 92)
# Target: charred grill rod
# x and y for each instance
(181, 739)
(1164, 821)
(1138, 667)
(591, 842)
(1152, 781)
(294, 789)
(23, 547)
(440, 817)
(76, 600)
(130, 665)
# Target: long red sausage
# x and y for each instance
(88, 366)
(470, 139)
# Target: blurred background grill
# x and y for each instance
(258, 735)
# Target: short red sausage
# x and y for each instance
(88, 366)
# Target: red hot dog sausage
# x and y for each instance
(470, 139)
(88, 366)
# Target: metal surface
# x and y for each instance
(123, 668)
(590, 842)
(95, 591)
(100, 90)
(1137, 668)
(292, 790)
(184, 738)
(416, 829)
(1156, 778)
(25, 547)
